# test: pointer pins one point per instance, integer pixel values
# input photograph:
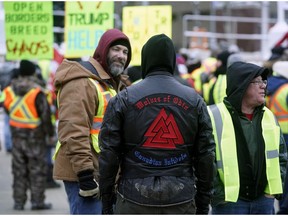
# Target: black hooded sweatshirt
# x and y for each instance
(161, 59)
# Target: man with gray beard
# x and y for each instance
(84, 89)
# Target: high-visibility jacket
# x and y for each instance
(196, 76)
(208, 66)
(277, 103)
(104, 95)
(219, 91)
(22, 109)
(226, 151)
(207, 88)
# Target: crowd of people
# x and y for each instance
(171, 136)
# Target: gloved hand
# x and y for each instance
(202, 204)
(108, 200)
(89, 188)
(201, 212)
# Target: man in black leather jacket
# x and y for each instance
(159, 132)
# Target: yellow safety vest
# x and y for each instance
(207, 88)
(207, 66)
(104, 95)
(277, 103)
(22, 109)
(196, 76)
(219, 91)
(226, 151)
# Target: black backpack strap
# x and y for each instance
(89, 67)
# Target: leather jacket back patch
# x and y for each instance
(163, 132)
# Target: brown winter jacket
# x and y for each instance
(76, 152)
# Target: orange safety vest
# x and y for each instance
(22, 109)
(278, 105)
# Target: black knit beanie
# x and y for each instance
(27, 68)
(122, 42)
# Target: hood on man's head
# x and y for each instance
(110, 38)
(239, 76)
(158, 54)
(263, 72)
(27, 68)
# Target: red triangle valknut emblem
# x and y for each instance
(163, 132)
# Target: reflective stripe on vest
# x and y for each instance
(271, 134)
(279, 106)
(22, 110)
(226, 151)
(219, 91)
(103, 96)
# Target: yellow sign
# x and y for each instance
(85, 23)
(142, 22)
(29, 30)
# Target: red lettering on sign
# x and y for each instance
(163, 132)
(34, 48)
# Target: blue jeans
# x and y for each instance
(262, 205)
(49, 155)
(80, 205)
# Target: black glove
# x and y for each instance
(88, 186)
(108, 200)
(201, 212)
(202, 204)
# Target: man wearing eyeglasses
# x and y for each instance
(251, 154)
